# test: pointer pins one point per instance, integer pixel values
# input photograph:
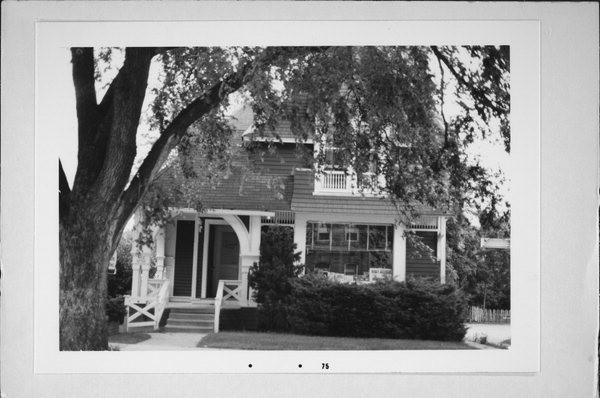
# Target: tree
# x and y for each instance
(484, 274)
(377, 104)
(270, 277)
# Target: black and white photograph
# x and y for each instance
(287, 198)
(299, 199)
(333, 194)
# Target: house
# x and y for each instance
(202, 258)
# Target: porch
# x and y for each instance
(200, 263)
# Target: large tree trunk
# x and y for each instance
(94, 212)
(84, 255)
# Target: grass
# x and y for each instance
(280, 341)
(128, 338)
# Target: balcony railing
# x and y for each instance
(339, 182)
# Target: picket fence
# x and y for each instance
(482, 315)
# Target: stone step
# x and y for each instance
(191, 316)
(193, 310)
(188, 329)
(190, 322)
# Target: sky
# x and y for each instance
(490, 152)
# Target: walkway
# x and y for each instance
(156, 341)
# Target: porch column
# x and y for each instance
(145, 268)
(136, 263)
(399, 254)
(248, 259)
(441, 247)
(300, 237)
(160, 253)
(136, 256)
(168, 269)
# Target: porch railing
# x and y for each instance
(228, 291)
(149, 308)
(342, 182)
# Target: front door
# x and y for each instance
(223, 257)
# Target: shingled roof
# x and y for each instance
(275, 181)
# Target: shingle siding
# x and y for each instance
(260, 180)
(304, 200)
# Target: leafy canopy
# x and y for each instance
(382, 108)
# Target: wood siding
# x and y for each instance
(184, 256)
(304, 199)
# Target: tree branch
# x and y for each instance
(87, 109)
(118, 127)
(175, 131)
(64, 191)
(85, 91)
(476, 92)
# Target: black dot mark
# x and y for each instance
(299, 365)
(249, 365)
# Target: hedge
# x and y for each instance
(415, 309)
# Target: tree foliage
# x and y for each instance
(270, 278)
(484, 274)
(379, 106)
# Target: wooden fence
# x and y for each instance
(482, 315)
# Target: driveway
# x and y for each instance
(496, 332)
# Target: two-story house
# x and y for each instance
(202, 259)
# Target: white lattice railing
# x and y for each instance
(424, 222)
(282, 217)
(150, 307)
(342, 182)
(227, 291)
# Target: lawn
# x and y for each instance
(279, 341)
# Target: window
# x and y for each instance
(349, 249)
(351, 233)
(323, 233)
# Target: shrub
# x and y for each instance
(415, 309)
(270, 278)
(120, 283)
(115, 309)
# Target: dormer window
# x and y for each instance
(336, 176)
(323, 233)
(351, 234)
(334, 159)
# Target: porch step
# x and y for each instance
(189, 316)
(187, 329)
(200, 319)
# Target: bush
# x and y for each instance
(270, 278)
(115, 309)
(415, 309)
(120, 283)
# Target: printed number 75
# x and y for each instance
(324, 366)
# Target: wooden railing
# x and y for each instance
(227, 291)
(151, 307)
(342, 182)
